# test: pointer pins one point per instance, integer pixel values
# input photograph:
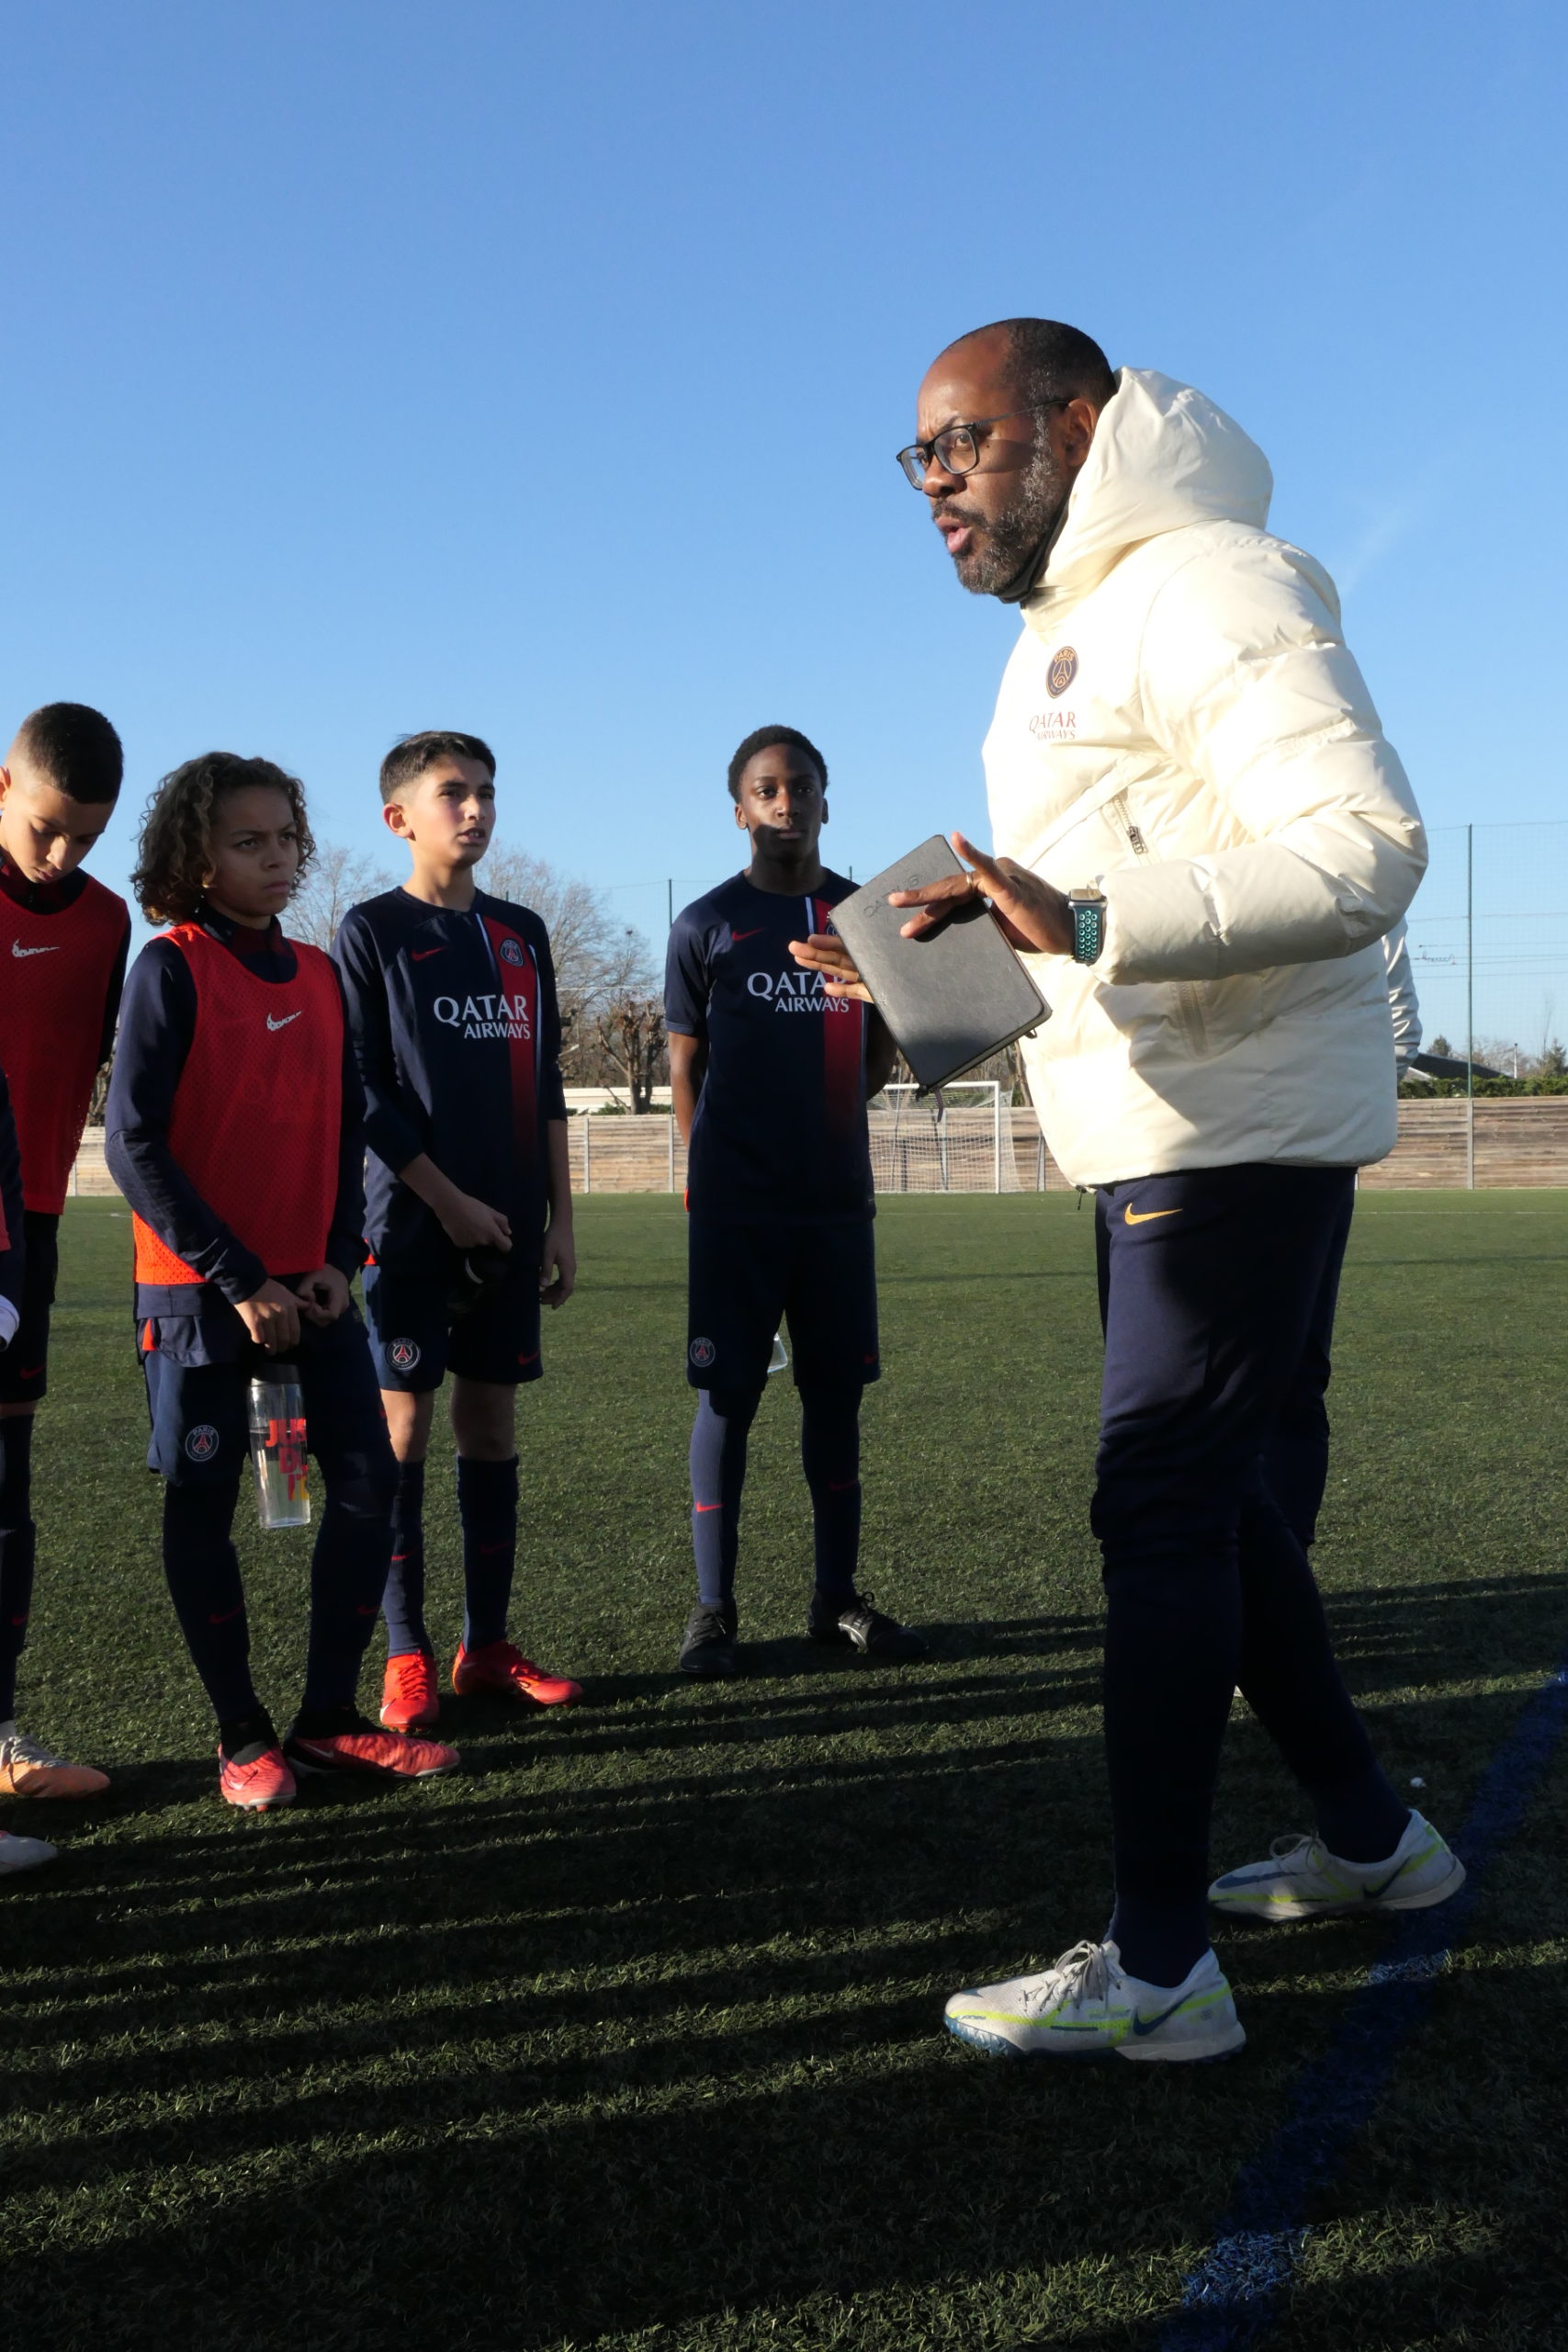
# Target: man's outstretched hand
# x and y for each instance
(1029, 913)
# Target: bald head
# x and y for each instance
(1039, 360)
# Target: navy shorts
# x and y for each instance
(200, 1412)
(24, 1365)
(416, 1339)
(745, 1282)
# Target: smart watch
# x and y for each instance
(1088, 910)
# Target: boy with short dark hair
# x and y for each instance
(64, 965)
(452, 1005)
(16, 1853)
(769, 1083)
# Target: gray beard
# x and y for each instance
(1013, 557)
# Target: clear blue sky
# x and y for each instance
(370, 366)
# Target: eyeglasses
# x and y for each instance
(957, 447)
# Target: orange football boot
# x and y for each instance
(500, 1668)
(29, 1771)
(262, 1779)
(410, 1701)
(360, 1747)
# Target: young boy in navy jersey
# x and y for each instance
(60, 985)
(236, 1134)
(452, 1005)
(770, 1085)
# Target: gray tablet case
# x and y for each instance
(952, 999)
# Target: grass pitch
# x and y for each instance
(630, 2036)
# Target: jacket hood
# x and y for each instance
(1163, 457)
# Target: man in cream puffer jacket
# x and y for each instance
(1201, 839)
(1182, 722)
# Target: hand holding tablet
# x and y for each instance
(948, 983)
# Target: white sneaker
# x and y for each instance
(1085, 2005)
(22, 1853)
(1301, 1880)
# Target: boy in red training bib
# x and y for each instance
(63, 943)
(16, 1853)
(236, 1133)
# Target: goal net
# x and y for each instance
(957, 1139)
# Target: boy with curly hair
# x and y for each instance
(235, 1132)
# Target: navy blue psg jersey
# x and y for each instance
(780, 1127)
(458, 1033)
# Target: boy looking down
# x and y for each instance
(64, 967)
(452, 1007)
(16, 1853)
(770, 1085)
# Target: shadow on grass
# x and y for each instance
(523, 2058)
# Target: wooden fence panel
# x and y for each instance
(1520, 1141)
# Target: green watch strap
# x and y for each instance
(1089, 928)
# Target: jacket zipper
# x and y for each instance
(1189, 1002)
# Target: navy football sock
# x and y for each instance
(246, 1737)
(718, 1474)
(404, 1601)
(348, 1572)
(18, 1542)
(203, 1572)
(1161, 1942)
(487, 1506)
(1362, 1819)
(830, 1454)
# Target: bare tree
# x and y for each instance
(629, 1023)
(630, 1032)
(337, 879)
(598, 962)
(585, 939)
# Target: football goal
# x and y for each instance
(957, 1139)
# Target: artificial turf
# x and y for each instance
(630, 2035)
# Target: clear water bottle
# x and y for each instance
(778, 1360)
(277, 1449)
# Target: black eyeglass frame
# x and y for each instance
(922, 452)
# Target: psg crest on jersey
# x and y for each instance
(1063, 671)
(510, 952)
(403, 1354)
(201, 1442)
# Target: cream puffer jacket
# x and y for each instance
(1182, 723)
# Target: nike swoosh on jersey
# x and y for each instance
(17, 949)
(286, 1020)
(421, 954)
(737, 936)
(1146, 1217)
